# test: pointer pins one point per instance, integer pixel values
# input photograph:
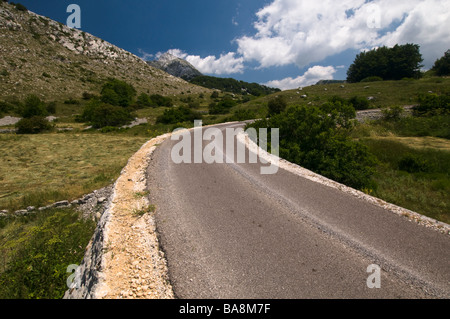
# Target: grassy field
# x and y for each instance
(36, 170)
(413, 173)
(384, 93)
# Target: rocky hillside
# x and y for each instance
(175, 66)
(44, 57)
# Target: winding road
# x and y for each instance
(230, 232)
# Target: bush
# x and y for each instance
(442, 66)
(21, 7)
(432, 104)
(110, 115)
(33, 106)
(359, 103)
(87, 96)
(160, 100)
(413, 164)
(392, 113)
(276, 105)
(33, 125)
(99, 114)
(178, 115)
(5, 107)
(51, 108)
(117, 93)
(311, 137)
(144, 100)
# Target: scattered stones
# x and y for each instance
(92, 205)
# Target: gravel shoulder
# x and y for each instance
(133, 265)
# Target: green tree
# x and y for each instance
(33, 125)
(110, 115)
(401, 61)
(178, 115)
(118, 93)
(276, 105)
(33, 106)
(144, 100)
(442, 65)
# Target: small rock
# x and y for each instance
(76, 202)
(63, 203)
(31, 208)
(101, 200)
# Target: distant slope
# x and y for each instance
(233, 86)
(44, 57)
(175, 66)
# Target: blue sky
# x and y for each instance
(282, 43)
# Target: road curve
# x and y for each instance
(230, 232)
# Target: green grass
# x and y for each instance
(423, 188)
(385, 93)
(35, 252)
(36, 170)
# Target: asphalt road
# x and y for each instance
(230, 232)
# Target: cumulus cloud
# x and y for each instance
(228, 63)
(312, 76)
(303, 32)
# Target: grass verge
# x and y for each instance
(36, 170)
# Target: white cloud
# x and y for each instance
(312, 76)
(144, 55)
(226, 64)
(303, 32)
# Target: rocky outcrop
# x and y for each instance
(175, 66)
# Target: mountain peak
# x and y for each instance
(175, 66)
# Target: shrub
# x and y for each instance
(359, 103)
(71, 101)
(311, 137)
(87, 96)
(178, 115)
(51, 108)
(117, 93)
(33, 125)
(432, 104)
(442, 65)
(33, 106)
(160, 100)
(392, 113)
(144, 100)
(215, 95)
(110, 115)
(5, 107)
(413, 164)
(21, 7)
(276, 105)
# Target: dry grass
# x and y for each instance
(420, 142)
(39, 169)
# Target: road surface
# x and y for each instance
(230, 232)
